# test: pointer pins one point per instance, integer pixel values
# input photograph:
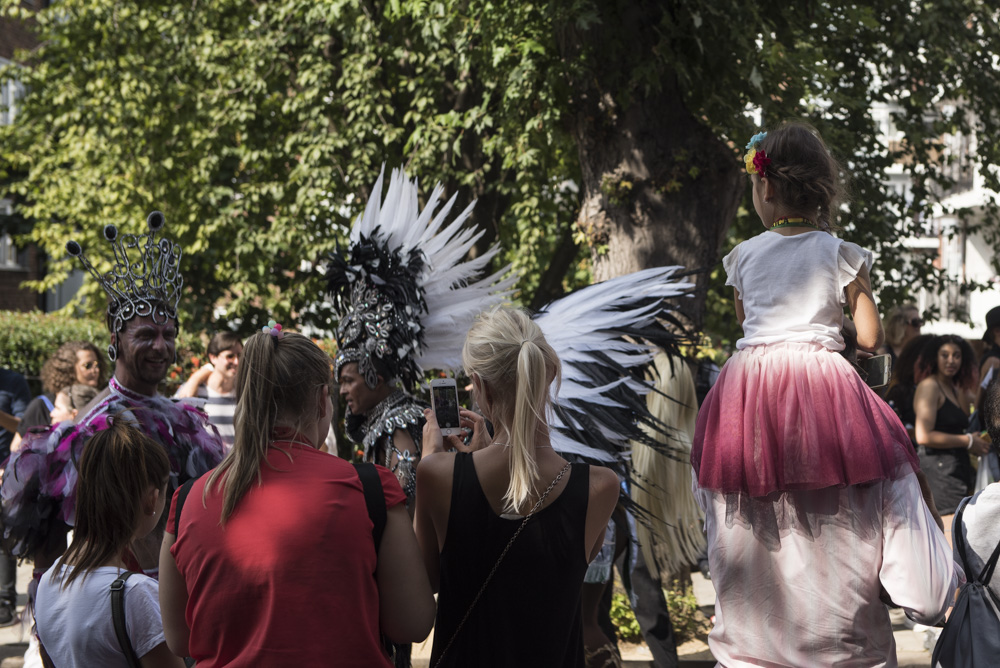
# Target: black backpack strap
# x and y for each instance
(958, 538)
(990, 566)
(987, 573)
(374, 499)
(118, 617)
(182, 493)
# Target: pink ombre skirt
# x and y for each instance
(795, 416)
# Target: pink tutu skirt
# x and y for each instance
(795, 416)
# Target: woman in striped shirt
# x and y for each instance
(215, 383)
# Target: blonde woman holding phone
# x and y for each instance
(506, 525)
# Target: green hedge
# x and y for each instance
(28, 339)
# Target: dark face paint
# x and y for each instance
(145, 352)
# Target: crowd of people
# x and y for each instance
(214, 527)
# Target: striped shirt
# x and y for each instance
(220, 409)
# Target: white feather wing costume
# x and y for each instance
(606, 335)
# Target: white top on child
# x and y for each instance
(792, 287)
(75, 623)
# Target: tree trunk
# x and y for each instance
(659, 188)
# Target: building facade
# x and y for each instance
(945, 240)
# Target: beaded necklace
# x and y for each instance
(793, 222)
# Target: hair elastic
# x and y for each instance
(273, 328)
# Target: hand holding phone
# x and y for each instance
(876, 370)
(444, 402)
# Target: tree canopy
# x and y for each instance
(597, 135)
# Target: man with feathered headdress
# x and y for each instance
(39, 483)
(407, 296)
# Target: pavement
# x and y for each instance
(14, 639)
(910, 652)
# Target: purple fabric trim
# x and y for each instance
(39, 484)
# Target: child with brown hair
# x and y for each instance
(120, 497)
(813, 509)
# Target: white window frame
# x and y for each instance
(8, 251)
(11, 90)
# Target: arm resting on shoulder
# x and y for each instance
(189, 387)
(406, 603)
(865, 312)
(918, 570)
(173, 600)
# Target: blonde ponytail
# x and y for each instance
(508, 352)
(277, 379)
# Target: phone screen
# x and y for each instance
(445, 400)
(877, 370)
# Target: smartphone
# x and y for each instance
(444, 402)
(876, 370)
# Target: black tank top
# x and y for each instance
(529, 614)
(950, 419)
(950, 475)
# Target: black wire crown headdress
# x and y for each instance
(145, 279)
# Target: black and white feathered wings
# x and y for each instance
(606, 335)
(408, 295)
(406, 290)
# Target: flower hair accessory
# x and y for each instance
(756, 159)
(273, 328)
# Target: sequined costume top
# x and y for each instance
(39, 482)
(373, 432)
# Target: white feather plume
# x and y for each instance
(454, 291)
(589, 327)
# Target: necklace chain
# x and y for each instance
(793, 222)
(507, 445)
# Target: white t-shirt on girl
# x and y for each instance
(75, 625)
(792, 288)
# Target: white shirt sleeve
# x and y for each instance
(850, 260)
(142, 614)
(918, 570)
(731, 264)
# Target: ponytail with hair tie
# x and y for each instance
(273, 382)
(518, 377)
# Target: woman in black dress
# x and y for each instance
(947, 379)
(471, 509)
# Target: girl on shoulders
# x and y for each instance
(120, 498)
(511, 504)
(805, 475)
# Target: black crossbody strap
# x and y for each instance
(958, 537)
(374, 500)
(987, 573)
(990, 565)
(182, 493)
(118, 616)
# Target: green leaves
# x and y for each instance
(258, 127)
